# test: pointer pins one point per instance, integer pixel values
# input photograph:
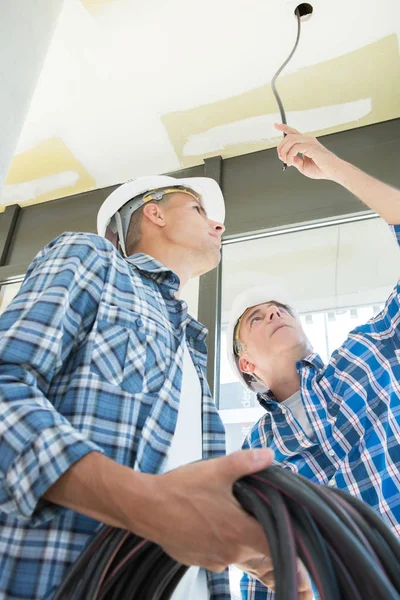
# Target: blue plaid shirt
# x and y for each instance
(91, 355)
(353, 404)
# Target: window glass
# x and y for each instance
(337, 276)
(7, 293)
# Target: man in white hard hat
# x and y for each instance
(336, 424)
(103, 398)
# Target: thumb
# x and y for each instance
(244, 462)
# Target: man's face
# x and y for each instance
(188, 226)
(270, 335)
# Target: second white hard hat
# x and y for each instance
(247, 299)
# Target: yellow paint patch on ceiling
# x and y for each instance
(95, 7)
(45, 172)
(371, 74)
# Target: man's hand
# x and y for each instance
(261, 568)
(190, 512)
(195, 518)
(317, 161)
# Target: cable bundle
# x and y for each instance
(348, 551)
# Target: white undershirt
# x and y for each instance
(295, 404)
(187, 447)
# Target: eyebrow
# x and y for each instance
(251, 315)
(254, 312)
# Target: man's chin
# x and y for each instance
(213, 261)
(295, 350)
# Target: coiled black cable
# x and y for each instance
(348, 550)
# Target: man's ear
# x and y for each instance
(246, 366)
(154, 213)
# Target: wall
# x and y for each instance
(26, 29)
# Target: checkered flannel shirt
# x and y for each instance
(91, 356)
(353, 404)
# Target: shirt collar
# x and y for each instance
(155, 269)
(311, 360)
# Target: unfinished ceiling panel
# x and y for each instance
(131, 88)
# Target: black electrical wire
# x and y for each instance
(348, 588)
(286, 578)
(373, 520)
(348, 546)
(170, 589)
(279, 71)
(252, 503)
(347, 549)
(314, 552)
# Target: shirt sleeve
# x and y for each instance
(338, 403)
(51, 314)
(389, 323)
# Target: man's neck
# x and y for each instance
(168, 257)
(284, 380)
(282, 390)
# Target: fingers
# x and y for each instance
(253, 541)
(308, 595)
(259, 566)
(244, 462)
(285, 128)
(299, 163)
(287, 144)
(296, 149)
(211, 528)
(286, 148)
(268, 580)
(305, 586)
(217, 568)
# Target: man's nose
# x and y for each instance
(218, 227)
(274, 312)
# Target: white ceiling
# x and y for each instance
(131, 88)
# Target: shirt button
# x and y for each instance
(331, 483)
(139, 322)
(284, 410)
(331, 453)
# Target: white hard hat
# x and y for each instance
(207, 189)
(247, 299)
